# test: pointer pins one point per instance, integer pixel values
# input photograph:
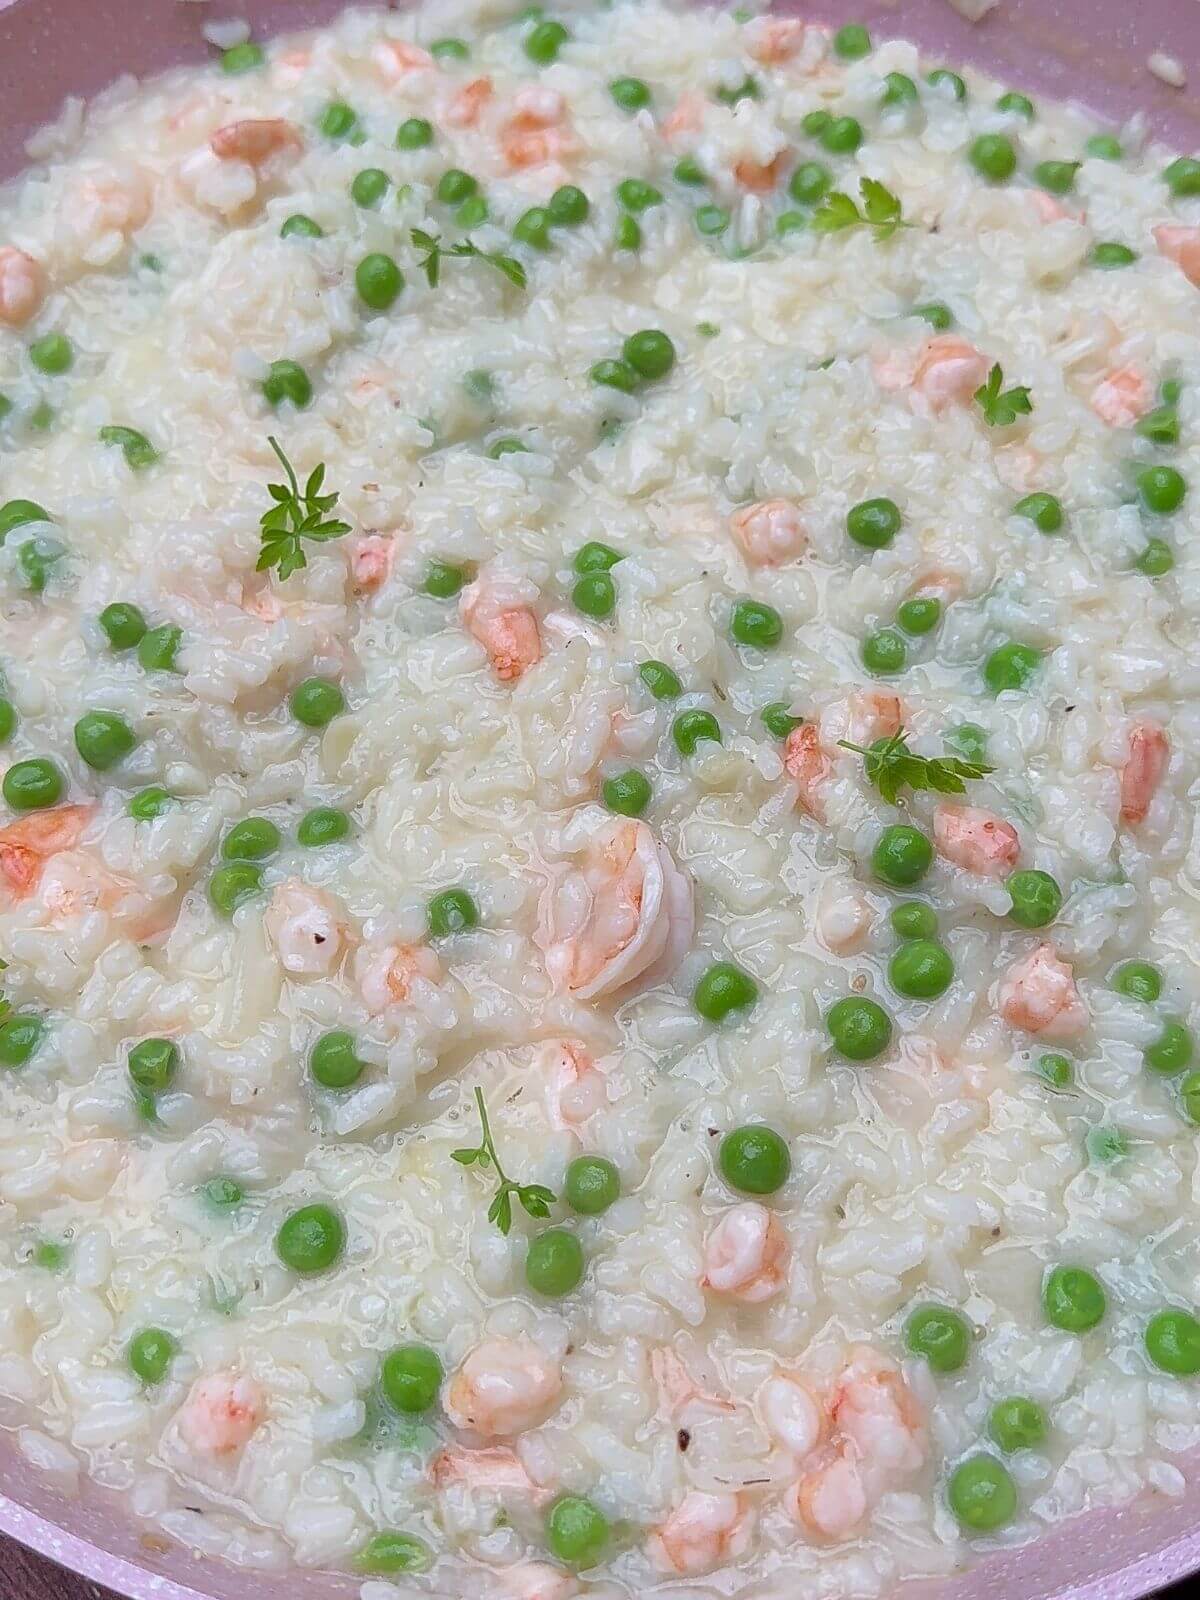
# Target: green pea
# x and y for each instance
(36, 559)
(939, 1335)
(982, 1494)
(252, 839)
(569, 206)
(388, 1553)
(1171, 1052)
(451, 911)
(1138, 980)
(591, 1185)
(576, 1531)
(1182, 177)
(1036, 898)
(532, 227)
(884, 653)
(33, 785)
(369, 187)
(1172, 1342)
(921, 969)
(1160, 426)
(1056, 177)
(340, 122)
(147, 804)
(724, 988)
(936, 314)
(1162, 489)
(103, 739)
(321, 826)
(650, 353)
(20, 1036)
(1010, 667)
(410, 1378)
(941, 75)
(50, 1255)
(543, 42)
(873, 523)
(810, 182)
(1055, 1069)
(444, 581)
(754, 1159)
(662, 683)
(298, 226)
(43, 416)
(631, 94)
(914, 920)
(139, 453)
(815, 123)
(316, 702)
(52, 354)
(149, 1355)
(627, 793)
(902, 856)
(1189, 1097)
(1156, 560)
(687, 170)
(993, 157)
(755, 624)
(480, 385)
(900, 90)
(239, 58)
(1103, 147)
(334, 1062)
(287, 380)
(595, 594)
(414, 133)
(123, 624)
(628, 235)
(1110, 255)
(595, 557)
(158, 647)
(691, 727)
(843, 136)
(1043, 510)
(378, 280)
(554, 1263)
(223, 1194)
(311, 1240)
(852, 42)
(450, 50)
(778, 720)
(8, 719)
(17, 513)
(232, 885)
(919, 615)
(1020, 105)
(152, 1064)
(1073, 1299)
(1106, 1145)
(614, 375)
(637, 195)
(507, 447)
(730, 94)
(860, 1029)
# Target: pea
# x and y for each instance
(298, 226)
(1172, 1342)
(662, 683)
(852, 42)
(815, 123)
(595, 594)
(316, 702)
(158, 647)
(1056, 1069)
(414, 133)
(33, 785)
(1162, 489)
(900, 90)
(778, 720)
(691, 727)
(1189, 1097)
(369, 187)
(147, 804)
(687, 170)
(1156, 560)
(884, 653)
(152, 1064)
(1036, 898)
(52, 354)
(450, 50)
(873, 523)
(554, 1263)
(614, 375)
(1110, 255)
(919, 615)
(594, 556)
(1138, 980)
(1020, 105)
(139, 453)
(921, 969)
(1043, 510)
(591, 1185)
(17, 513)
(287, 380)
(532, 227)
(576, 1530)
(939, 1335)
(311, 1240)
(650, 353)
(754, 1160)
(936, 314)
(443, 581)
(860, 1029)
(631, 94)
(8, 719)
(334, 1062)
(628, 235)
(103, 739)
(451, 911)
(724, 988)
(1016, 1424)
(637, 195)
(755, 624)
(843, 136)
(1073, 1299)
(149, 1355)
(223, 1194)
(627, 793)
(232, 885)
(1010, 667)
(569, 206)
(1056, 177)
(982, 1494)
(730, 94)
(1171, 1052)
(993, 157)
(1103, 147)
(942, 76)
(239, 58)
(123, 625)
(1182, 177)
(473, 212)
(20, 1036)
(389, 1553)
(50, 1255)
(410, 1378)
(252, 839)
(913, 920)
(1106, 1145)
(543, 42)
(321, 826)
(378, 280)
(902, 856)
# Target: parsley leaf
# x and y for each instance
(891, 766)
(534, 1198)
(1002, 406)
(295, 516)
(880, 211)
(465, 249)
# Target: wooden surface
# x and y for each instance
(24, 1576)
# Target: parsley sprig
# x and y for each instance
(880, 210)
(534, 1197)
(1002, 406)
(296, 516)
(463, 249)
(891, 766)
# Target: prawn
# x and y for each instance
(863, 716)
(1144, 769)
(495, 611)
(770, 532)
(467, 104)
(771, 40)
(503, 1387)
(370, 556)
(704, 1531)
(575, 1087)
(494, 1468)
(22, 286)
(392, 975)
(1181, 245)
(975, 839)
(536, 133)
(948, 372)
(805, 761)
(746, 1254)
(306, 928)
(793, 1414)
(1039, 995)
(396, 58)
(27, 844)
(538, 1580)
(256, 141)
(1122, 397)
(221, 1414)
(680, 1396)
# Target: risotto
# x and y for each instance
(598, 695)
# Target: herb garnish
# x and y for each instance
(891, 766)
(464, 249)
(1002, 406)
(880, 210)
(294, 517)
(534, 1197)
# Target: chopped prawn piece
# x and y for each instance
(1048, 208)
(538, 1580)
(291, 66)
(221, 1414)
(843, 915)
(705, 1531)
(112, 203)
(746, 1254)
(575, 1086)
(805, 760)
(975, 839)
(863, 716)
(495, 612)
(1122, 397)
(371, 557)
(467, 105)
(495, 1468)
(503, 1387)
(396, 58)
(760, 177)
(771, 40)
(948, 372)
(536, 133)
(680, 1396)
(256, 140)
(1144, 769)
(27, 844)
(831, 1501)
(1181, 245)
(793, 1414)
(687, 117)
(1039, 995)
(307, 929)
(624, 916)
(770, 532)
(389, 976)
(22, 286)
